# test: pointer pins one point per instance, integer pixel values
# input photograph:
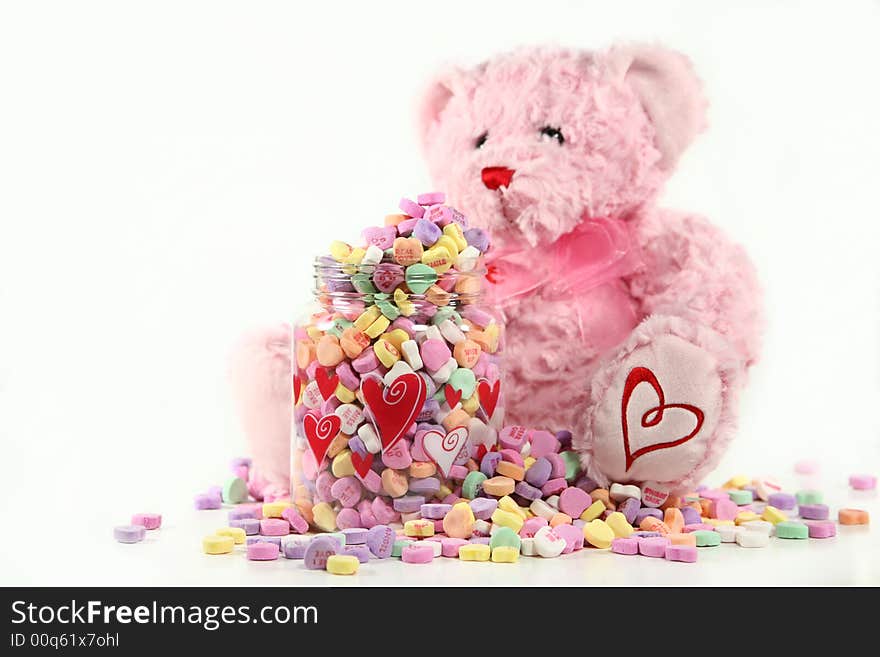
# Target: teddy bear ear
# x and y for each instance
(435, 97)
(670, 92)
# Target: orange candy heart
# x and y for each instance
(407, 251)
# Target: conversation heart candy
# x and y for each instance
(318, 551)
(408, 250)
(420, 277)
(387, 276)
(382, 237)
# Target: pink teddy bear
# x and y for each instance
(631, 325)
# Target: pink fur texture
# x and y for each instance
(260, 375)
(588, 136)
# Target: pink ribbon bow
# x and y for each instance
(596, 252)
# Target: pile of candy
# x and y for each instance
(397, 379)
(494, 521)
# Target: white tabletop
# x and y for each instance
(86, 554)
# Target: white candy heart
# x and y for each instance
(548, 543)
(373, 256)
(443, 449)
(619, 492)
(410, 351)
(398, 369)
(351, 417)
(653, 494)
(479, 433)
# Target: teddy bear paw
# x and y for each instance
(659, 413)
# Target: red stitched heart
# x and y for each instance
(396, 407)
(453, 396)
(319, 433)
(297, 387)
(361, 464)
(326, 383)
(489, 396)
(482, 451)
(643, 375)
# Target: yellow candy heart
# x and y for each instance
(339, 251)
(325, 517)
(453, 231)
(396, 337)
(405, 306)
(386, 353)
(438, 259)
(341, 466)
(449, 244)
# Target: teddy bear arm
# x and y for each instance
(694, 272)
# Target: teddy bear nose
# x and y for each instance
(495, 177)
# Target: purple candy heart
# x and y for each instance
(426, 486)
(380, 540)
(427, 232)
(527, 491)
(489, 463)
(690, 514)
(539, 472)
(408, 503)
(483, 507)
(362, 552)
(477, 238)
(644, 513)
(387, 276)
(318, 551)
(629, 508)
(435, 511)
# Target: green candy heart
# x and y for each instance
(363, 283)
(809, 497)
(388, 309)
(707, 538)
(445, 313)
(464, 380)
(472, 484)
(420, 277)
(572, 464)
(740, 497)
(506, 537)
(791, 529)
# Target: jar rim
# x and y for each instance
(328, 272)
(327, 263)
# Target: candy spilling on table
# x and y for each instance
(397, 381)
(498, 524)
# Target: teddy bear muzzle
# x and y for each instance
(495, 177)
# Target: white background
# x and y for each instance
(168, 169)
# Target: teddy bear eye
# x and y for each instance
(478, 143)
(552, 133)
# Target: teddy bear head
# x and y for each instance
(531, 143)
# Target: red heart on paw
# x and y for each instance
(297, 388)
(326, 383)
(489, 396)
(453, 396)
(361, 464)
(319, 433)
(396, 407)
(653, 416)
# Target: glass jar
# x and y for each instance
(397, 394)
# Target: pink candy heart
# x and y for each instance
(380, 236)
(434, 354)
